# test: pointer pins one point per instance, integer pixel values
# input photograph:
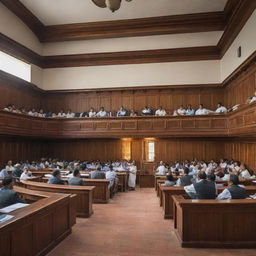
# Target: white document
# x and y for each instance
(12, 207)
(5, 217)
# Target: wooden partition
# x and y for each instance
(215, 223)
(83, 199)
(39, 226)
(166, 197)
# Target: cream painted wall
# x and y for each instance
(133, 43)
(37, 76)
(13, 27)
(196, 72)
(247, 40)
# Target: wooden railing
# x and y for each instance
(240, 122)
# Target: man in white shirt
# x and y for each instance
(235, 191)
(161, 170)
(101, 113)
(132, 175)
(121, 112)
(221, 109)
(252, 99)
(223, 164)
(26, 174)
(202, 110)
(32, 112)
(92, 113)
(181, 111)
(160, 112)
(41, 113)
(70, 114)
(61, 113)
(9, 167)
(244, 172)
(147, 111)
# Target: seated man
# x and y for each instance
(7, 195)
(70, 114)
(203, 189)
(32, 112)
(111, 177)
(160, 112)
(9, 167)
(190, 111)
(161, 170)
(244, 173)
(102, 113)
(61, 113)
(202, 110)
(9, 107)
(56, 178)
(98, 174)
(185, 180)
(3, 174)
(92, 113)
(169, 181)
(221, 109)
(234, 191)
(252, 99)
(147, 111)
(18, 171)
(41, 113)
(121, 112)
(76, 180)
(26, 174)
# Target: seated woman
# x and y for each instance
(133, 113)
(190, 111)
(121, 112)
(181, 111)
(169, 181)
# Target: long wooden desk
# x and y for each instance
(215, 223)
(83, 199)
(239, 122)
(168, 192)
(100, 192)
(39, 227)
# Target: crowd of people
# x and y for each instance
(146, 111)
(198, 177)
(72, 170)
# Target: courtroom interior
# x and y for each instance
(127, 127)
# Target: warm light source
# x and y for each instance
(113, 5)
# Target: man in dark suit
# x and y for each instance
(186, 179)
(7, 195)
(98, 174)
(56, 178)
(76, 180)
(203, 189)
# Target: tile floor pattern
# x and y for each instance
(132, 224)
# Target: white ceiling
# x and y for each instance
(53, 12)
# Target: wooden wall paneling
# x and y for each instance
(116, 101)
(152, 99)
(176, 99)
(105, 100)
(139, 101)
(127, 100)
(165, 100)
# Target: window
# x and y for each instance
(126, 149)
(15, 66)
(150, 150)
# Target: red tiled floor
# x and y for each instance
(132, 224)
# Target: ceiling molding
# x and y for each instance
(21, 52)
(25, 15)
(238, 11)
(133, 57)
(176, 24)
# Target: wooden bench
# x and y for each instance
(168, 192)
(38, 227)
(215, 223)
(83, 199)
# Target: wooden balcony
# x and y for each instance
(239, 123)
